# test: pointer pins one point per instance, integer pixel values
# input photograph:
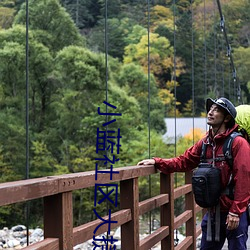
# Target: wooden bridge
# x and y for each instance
(56, 192)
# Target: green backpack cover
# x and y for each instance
(243, 119)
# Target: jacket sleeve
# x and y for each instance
(241, 175)
(183, 163)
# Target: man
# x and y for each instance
(221, 115)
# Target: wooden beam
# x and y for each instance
(46, 244)
(85, 232)
(152, 203)
(130, 199)
(154, 238)
(190, 205)
(167, 210)
(185, 244)
(58, 219)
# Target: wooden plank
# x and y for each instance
(190, 205)
(24, 190)
(198, 209)
(198, 231)
(178, 192)
(85, 232)
(87, 179)
(167, 210)
(58, 219)
(130, 199)
(185, 244)
(152, 203)
(154, 238)
(182, 218)
(46, 244)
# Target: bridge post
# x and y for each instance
(167, 210)
(190, 205)
(129, 198)
(58, 219)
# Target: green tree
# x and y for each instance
(241, 56)
(135, 81)
(53, 25)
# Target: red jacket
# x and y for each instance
(241, 167)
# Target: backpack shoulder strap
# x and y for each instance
(227, 148)
(203, 152)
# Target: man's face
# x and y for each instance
(215, 116)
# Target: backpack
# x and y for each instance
(206, 179)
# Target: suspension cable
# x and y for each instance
(175, 95)
(149, 121)
(229, 53)
(192, 76)
(106, 85)
(205, 50)
(27, 207)
(174, 76)
(215, 51)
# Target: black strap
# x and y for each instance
(203, 152)
(227, 151)
(227, 148)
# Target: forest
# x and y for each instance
(150, 59)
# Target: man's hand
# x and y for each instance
(146, 162)
(232, 221)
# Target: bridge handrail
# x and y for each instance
(56, 192)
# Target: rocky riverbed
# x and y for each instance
(16, 238)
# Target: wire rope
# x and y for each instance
(215, 52)
(236, 83)
(175, 95)
(174, 73)
(149, 121)
(205, 48)
(106, 45)
(192, 73)
(27, 207)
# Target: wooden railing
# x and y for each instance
(59, 232)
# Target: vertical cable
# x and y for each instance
(27, 112)
(175, 95)
(106, 84)
(205, 50)
(237, 87)
(149, 123)
(192, 28)
(215, 51)
(174, 74)
(106, 53)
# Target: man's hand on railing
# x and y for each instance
(146, 162)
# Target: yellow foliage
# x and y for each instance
(172, 84)
(161, 16)
(195, 134)
(166, 96)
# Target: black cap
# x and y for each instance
(223, 103)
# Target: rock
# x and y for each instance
(13, 243)
(38, 232)
(18, 228)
